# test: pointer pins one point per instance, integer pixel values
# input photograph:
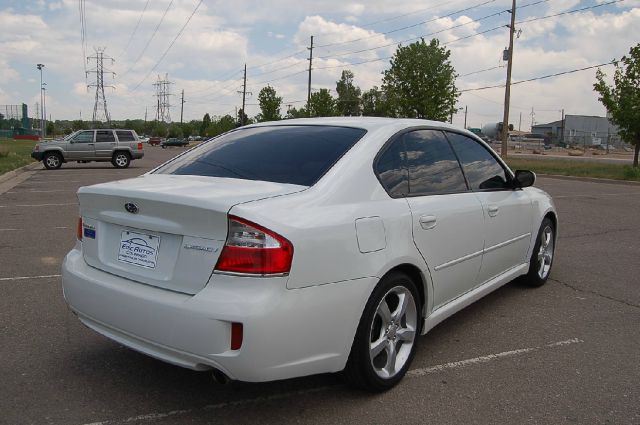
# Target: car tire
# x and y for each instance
(164, 147)
(542, 255)
(121, 159)
(52, 160)
(386, 339)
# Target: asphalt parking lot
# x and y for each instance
(568, 352)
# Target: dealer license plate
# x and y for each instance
(139, 249)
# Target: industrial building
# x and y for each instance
(582, 130)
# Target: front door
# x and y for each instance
(507, 211)
(81, 146)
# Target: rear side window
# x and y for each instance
(105, 136)
(283, 154)
(392, 171)
(481, 168)
(433, 167)
(125, 136)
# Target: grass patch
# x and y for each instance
(576, 168)
(15, 154)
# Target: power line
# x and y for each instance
(170, 45)
(146, 46)
(537, 78)
(568, 12)
(135, 29)
(83, 35)
(405, 27)
(480, 71)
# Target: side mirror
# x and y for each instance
(525, 178)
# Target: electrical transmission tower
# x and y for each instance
(100, 111)
(163, 108)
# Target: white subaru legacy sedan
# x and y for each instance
(305, 246)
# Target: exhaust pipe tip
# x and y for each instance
(219, 377)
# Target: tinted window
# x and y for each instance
(83, 137)
(480, 167)
(125, 136)
(392, 171)
(105, 136)
(433, 167)
(284, 154)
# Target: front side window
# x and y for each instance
(105, 136)
(433, 167)
(392, 171)
(482, 170)
(83, 137)
(293, 154)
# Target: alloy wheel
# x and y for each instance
(545, 253)
(393, 332)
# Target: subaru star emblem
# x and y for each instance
(131, 207)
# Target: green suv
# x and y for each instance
(119, 147)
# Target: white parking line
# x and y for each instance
(412, 373)
(39, 228)
(47, 276)
(41, 191)
(38, 205)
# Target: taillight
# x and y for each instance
(253, 249)
(139, 146)
(79, 233)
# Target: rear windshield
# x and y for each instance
(293, 154)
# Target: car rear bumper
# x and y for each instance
(137, 154)
(286, 333)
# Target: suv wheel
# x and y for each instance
(52, 160)
(121, 159)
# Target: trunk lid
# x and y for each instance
(164, 230)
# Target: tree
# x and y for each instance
(51, 128)
(243, 119)
(348, 102)
(270, 104)
(622, 100)
(322, 104)
(421, 82)
(296, 113)
(206, 121)
(375, 104)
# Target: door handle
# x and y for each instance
(493, 210)
(427, 221)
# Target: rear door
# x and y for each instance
(507, 211)
(447, 217)
(105, 143)
(81, 146)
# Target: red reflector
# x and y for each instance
(79, 234)
(236, 336)
(139, 146)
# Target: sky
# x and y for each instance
(201, 46)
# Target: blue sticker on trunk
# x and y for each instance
(89, 233)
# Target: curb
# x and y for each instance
(590, 179)
(13, 173)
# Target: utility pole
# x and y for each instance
(309, 83)
(562, 135)
(145, 114)
(244, 95)
(40, 66)
(465, 117)
(507, 87)
(181, 106)
(520, 122)
(100, 110)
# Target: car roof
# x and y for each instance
(367, 123)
